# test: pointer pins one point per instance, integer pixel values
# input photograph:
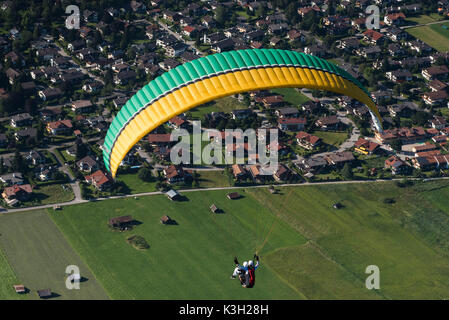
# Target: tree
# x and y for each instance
(261, 10)
(18, 163)
(81, 149)
(396, 144)
(220, 15)
(144, 174)
(347, 171)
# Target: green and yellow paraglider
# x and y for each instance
(219, 75)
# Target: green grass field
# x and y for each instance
(39, 255)
(407, 240)
(434, 35)
(308, 249)
(291, 95)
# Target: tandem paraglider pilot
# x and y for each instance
(246, 272)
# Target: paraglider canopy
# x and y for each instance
(219, 75)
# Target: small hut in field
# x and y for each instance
(120, 222)
(19, 288)
(233, 195)
(214, 208)
(44, 293)
(166, 220)
(173, 195)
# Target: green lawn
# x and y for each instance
(211, 179)
(291, 95)
(226, 104)
(52, 193)
(135, 184)
(39, 254)
(434, 35)
(67, 157)
(332, 138)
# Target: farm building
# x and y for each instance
(166, 220)
(173, 195)
(19, 288)
(44, 293)
(120, 222)
(233, 195)
(214, 208)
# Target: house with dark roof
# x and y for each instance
(328, 123)
(339, 158)
(282, 173)
(87, 164)
(24, 134)
(21, 120)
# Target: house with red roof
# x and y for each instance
(99, 179)
(394, 19)
(189, 31)
(365, 146)
(178, 123)
(396, 165)
(16, 193)
(60, 127)
(372, 36)
(292, 124)
(156, 139)
(307, 140)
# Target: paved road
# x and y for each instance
(210, 189)
(423, 24)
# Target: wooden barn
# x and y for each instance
(214, 208)
(166, 220)
(44, 293)
(173, 195)
(120, 222)
(233, 195)
(19, 288)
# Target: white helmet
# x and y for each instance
(250, 263)
(245, 264)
